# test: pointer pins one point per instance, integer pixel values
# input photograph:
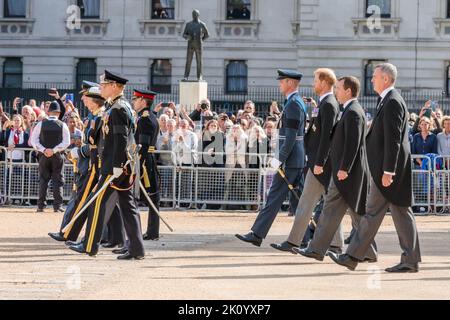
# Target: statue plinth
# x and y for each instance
(192, 92)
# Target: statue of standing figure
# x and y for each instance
(195, 33)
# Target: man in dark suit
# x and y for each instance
(389, 159)
(291, 156)
(350, 173)
(317, 147)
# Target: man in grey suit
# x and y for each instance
(317, 148)
(389, 159)
(350, 173)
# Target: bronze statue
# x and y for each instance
(195, 32)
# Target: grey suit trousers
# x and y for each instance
(312, 191)
(333, 212)
(404, 222)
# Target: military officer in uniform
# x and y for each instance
(147, 131)
(51, 137)
(317, 146)
(82, 157)
(118, 136)
(291, 156)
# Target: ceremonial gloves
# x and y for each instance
(117, 172)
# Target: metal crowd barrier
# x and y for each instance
(217, 186)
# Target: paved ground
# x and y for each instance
(203, 260)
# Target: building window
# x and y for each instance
(384, 5)
(368, 74)
(448, 79)
(15, 8)
(90, 9)
(238, 9)
(448, 9)
(236, 77)
(163, 9)
(12, 73)
(86, 70)
(161, 76)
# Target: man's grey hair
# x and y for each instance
(172, 121)
(388, 69)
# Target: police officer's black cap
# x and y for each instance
(86, 85)
(54, 107)
(289, 74)
(109, 77)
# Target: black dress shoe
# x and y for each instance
(404, 268)
(145, 236)
(128, 256)
(336, 250)
(344, 260)
(39, 210)
(250, 238)
(78, 247)
(110, 245)
(284, 246)
(58, 210)
(122, 250)
(72, 243)
(370, 260)
(308, 253)
(57, 236)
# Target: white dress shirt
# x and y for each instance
(382, 96)
(15, 154)
(348, 102)
(37, 132)
(325, 95)
(186, 149)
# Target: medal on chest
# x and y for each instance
(105, 127)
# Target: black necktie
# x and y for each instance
(379, 102)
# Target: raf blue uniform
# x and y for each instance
(291, 155)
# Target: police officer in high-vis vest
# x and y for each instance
(147, 131)
(118, 136)
(291, 156)
(51, 137)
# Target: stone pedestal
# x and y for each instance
(192, 92)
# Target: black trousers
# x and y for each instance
(98, 217)
(152, 187)
(115, 229)
(51, 169)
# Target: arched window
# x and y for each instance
(161, 76)
(12, 73)
(86, 70)
(236, 77)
